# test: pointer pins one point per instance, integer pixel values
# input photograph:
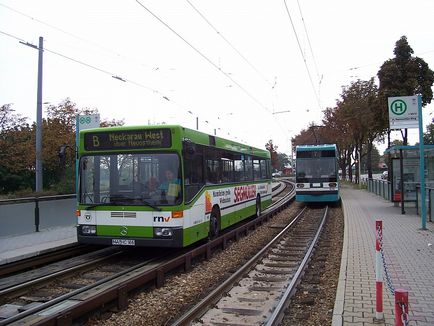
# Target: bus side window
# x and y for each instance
(194, 174)
(239, 170)
(209, 175)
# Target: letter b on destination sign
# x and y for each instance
(95, 141)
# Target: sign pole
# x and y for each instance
(77, 132)
(406, 112)
(83, 122)
(421, 164)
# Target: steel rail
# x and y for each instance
(73, 293)
(277, 315)
(217, 293)
(50, 276)
(67, 251)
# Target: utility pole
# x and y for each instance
(39, 183)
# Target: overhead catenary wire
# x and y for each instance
(15, 37)
(80, 38)
(119, 55)
(308, 41)
(62, 30)
(205, 57)
(229, 43)
(311, 51)
(303, 56)
(111, 74)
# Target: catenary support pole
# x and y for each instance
(39, 179)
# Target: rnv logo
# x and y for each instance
(161, 219)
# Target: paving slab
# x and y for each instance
(22, 246)
(409, 256)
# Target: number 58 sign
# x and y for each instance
(87, 121)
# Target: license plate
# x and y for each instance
(123, 242)
(316, 185)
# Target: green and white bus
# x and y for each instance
(166, 185)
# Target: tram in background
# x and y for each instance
(317, 173)
(165, 186)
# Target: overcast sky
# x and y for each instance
(233, 64)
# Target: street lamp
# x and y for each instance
(197, 119)
(286, 111)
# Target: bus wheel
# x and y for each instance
(214, 223)
(258, 206)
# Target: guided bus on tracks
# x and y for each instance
(165, 186)
(317, 173)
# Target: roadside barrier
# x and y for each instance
(401, 295)
(379, 315)
(401, 307)
(31, 214)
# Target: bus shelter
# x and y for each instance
(404, 175)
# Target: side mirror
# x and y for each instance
(188, 148)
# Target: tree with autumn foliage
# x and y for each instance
(269, 146)
(17, 148)
(59, 131)
(360, 116)
(339, 131)
(15, 135)
(358, 111)
(404, 75)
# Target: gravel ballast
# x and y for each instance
(163, 305)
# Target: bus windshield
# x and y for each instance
(138, 179)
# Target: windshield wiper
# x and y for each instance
(101, 204)
(117, 199)
(93, 206)
(144, 201)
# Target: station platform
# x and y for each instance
(19, 247)
(409, 256)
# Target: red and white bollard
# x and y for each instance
(401, 307)
(379, 315)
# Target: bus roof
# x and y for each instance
(183, 134)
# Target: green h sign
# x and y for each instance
(398, 107)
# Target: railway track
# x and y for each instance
(114, 289)
(45, 258)
(26, 299)
(29, 279)
(258, 293)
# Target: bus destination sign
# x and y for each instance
(128, 139)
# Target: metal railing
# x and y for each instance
(383, 188)
(24, 215)
(380, 188)
(429, 198)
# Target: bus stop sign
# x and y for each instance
(403, 112)
(87, 121)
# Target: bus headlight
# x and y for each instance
(332, 184)
(163, 232)
(88, 229)
(300, 185)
